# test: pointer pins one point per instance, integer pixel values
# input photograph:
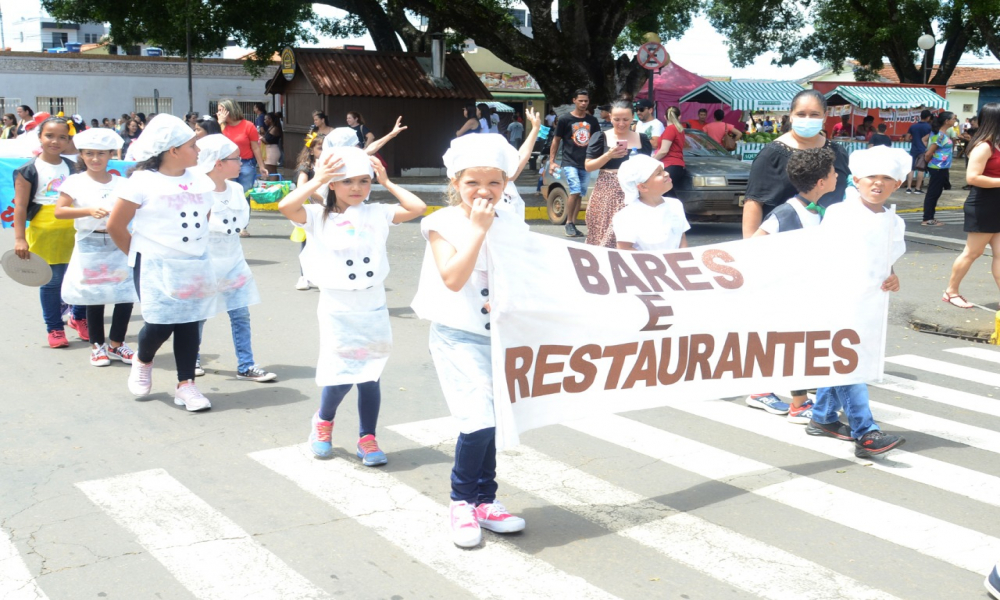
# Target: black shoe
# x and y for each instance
(876, 442)
(835, 430)
(571, 230)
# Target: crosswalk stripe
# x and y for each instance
(716, 551)
(925, 534)
(947, 369)
(956, 479)
(16, 582)
(978, 353)
(940, 394)
(203, 549)
(418, 525)
(970, 435)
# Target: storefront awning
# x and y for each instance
(885, 97)
(499, 106)
(745, 95)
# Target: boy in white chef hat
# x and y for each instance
(877, 173)
(218, 157)
(345, 257)
(650, 221)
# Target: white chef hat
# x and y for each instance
(213, 148)
(481, 150)
(98, 138)
(637, 169)
(162, 133)
(341, 137)
(356, 162)
(881, 160)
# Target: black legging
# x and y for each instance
(119, 322)
(152, 336)
(676, 173)
(939, 177)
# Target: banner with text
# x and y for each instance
(579, 330)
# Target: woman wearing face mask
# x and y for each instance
(769, 185)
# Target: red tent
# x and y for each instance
(674, 81)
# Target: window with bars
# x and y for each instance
(9, 105)
(246, 107)
(149, 105)
(56, 104)
(91, 38)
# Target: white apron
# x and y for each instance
(177, 290)
(237, 288)
(98, 273)
(355, 338)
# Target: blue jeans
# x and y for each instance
(474, 476)
(50, 296)
(239, 323)
(248, 174)
(576, 180)
(853, 399)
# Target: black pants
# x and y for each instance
(676, 173)
(939, 177)
(119, 322)
(152, 336)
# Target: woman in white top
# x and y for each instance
(98, 271)
(168, 205)
(345, 257)
(650, 221)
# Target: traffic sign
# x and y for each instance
(652, 56)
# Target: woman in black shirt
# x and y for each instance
(272, 142)
(607, 151)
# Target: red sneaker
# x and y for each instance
(80, 325)
(495, 517)
(57, 339)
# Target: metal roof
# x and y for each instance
(746, 95)
(383, 75)
(885, 97)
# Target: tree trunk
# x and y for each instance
(374, 17)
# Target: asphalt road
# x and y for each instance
(104, 496)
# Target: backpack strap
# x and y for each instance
(788, 219)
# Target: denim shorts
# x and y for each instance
(576, 179)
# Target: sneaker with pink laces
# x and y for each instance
(99, 356)
(494, 516)
(465, 530)
(57, 339)
(140, 378)
(80, 325)
(122, 353)
(320, 432)
(188, 396)
(369, 452)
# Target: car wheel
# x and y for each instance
(556, 203)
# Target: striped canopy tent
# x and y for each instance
(500, 107)
(746, 95)
(885, 97)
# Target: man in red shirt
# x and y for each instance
(701, 122)
(844, 128)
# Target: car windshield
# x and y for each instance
(697, 143)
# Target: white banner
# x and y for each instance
(579, 330)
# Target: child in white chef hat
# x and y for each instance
(345, 257)
(650, 221)
(877, 173)
(454, 295)
(219, 158)
(98, 272)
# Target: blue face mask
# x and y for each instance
(806, 127)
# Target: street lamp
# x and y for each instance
(926, 43)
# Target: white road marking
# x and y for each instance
(970, 435)
(419, 526)
(927, 535)
(942, 395)
(16, 582)
(713, 550)
(978, 353)
(203, 549)
(947, 369)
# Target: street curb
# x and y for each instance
(916, 210)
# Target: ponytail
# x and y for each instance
(674, 118)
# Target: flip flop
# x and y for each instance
(932, 223)
(953, 298)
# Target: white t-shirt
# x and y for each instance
(857, 220)
(87, 193)
(346, 251)
(230, 210)
(172, 218)
(651, 228)
(50, 180)
(512, 200)
(808, 218)
(653, 129)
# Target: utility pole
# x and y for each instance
(187, 27)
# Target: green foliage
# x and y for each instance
(671, 19)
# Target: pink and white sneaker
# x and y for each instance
(188, 396)
(99, 356)
(465, 531)
(494, 516)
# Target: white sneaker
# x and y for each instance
(99, 356)
(140, 378)
(198, 371)
(302, 284)
(188, 396)
(465, 530)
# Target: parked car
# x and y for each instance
(712, 190)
